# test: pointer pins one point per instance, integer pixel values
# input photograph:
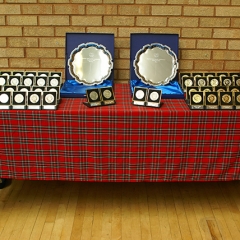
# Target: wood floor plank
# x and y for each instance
(162, 212)
(211, 192)
(144, 213)
(32, 210)
(126, 213)
(152, 190)
(135, 214)
(117, 212)
(80, 211)
(70, 213)
(180, 212)
(38, 214)
(12, 225)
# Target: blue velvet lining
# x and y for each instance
(171, 91)
(72, 89)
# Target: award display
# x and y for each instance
(100, 97)
(5, 100)
(49, 100)
(19, 100)
(18, 73)
(189, 90)
(234, 89)
(30, 73)
(94, 97)
(211, 99)
(188, 82)
(23, 88)
(107, 96)
(54, 81)
(38, 88)
(156, 64)
(197, 100)
(201, 81)
(34, 100)
(14, 80)
(226, 100)
(226, 81)
(154, 97)
(43, 74)
(140, 96)
(54, 89)
(90, 63)
(3, 80)
(9, 88)
(237, 100)
(237, 81)
(214, 81)
(149, 97)
(28, 80)
(41, 81)
(220, 89)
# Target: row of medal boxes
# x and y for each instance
(31, 73)
(30, 80)
(213, 100)
(205, 79)
(29, 99)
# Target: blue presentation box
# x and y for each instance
(71, 88)
(173, 89)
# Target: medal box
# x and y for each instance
(100, 97)
(89, 61)
(154, 63)
(148, 97)
(216, 79)
(209, 97)
(21, 92)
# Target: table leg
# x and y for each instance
(3, 182)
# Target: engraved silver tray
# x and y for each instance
(155, 64)
(90, 63)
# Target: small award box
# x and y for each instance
(28, 80)
(5, 100)
(211, 100)
(237, 100)
(15, 80)
(19, 100)
(94, 97)
(49, 100)
(34, 100)
(226, 100)
(196, 100)
(3, 80)
(41, 81)
(154, 98)
(108, 97)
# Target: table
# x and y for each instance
(120, 143)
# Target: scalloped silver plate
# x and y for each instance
(155, 64)
(90, 63)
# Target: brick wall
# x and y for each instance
(32, 32)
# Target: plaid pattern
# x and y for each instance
(120, 142)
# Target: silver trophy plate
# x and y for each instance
(90, 63)
(155, 64)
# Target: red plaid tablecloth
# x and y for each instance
(120, 142)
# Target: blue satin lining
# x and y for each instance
(170, 91)
(72, 88)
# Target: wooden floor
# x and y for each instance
(75, 210)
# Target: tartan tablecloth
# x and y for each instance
(120, 142)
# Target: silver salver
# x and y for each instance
(90, 63)
(155, 64)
